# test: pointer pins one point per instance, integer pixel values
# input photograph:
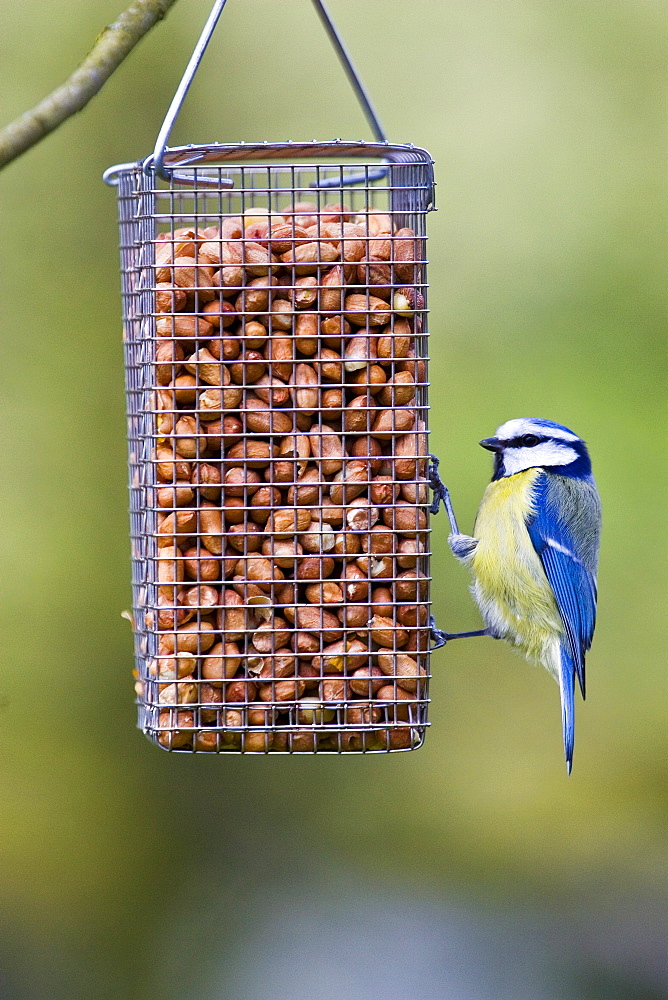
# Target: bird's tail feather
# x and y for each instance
(567, 690)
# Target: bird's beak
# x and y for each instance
(492, 444)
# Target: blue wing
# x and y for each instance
(564, 530)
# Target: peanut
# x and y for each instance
(221, 663)
(279, 664)
(232, 618)
(332, 657)
(313, 568)
(284, 553)
(261, 419)
(251, 454)
(307, 488)
(363, 714)
(332, 290)
(404, 668)
(354, 616)
(305, 294)
(356, 583)
(307, 327)
(401, 707)
(399, 391)
(271, 635)
(329, 513)
(173, 667)
(386, 632)
(370, 380)
(318, 620)
(306, 258)
(330, 365)
(333, 689)
(390, 422)
(220, 313)
(200, 566)
(272, 391)
(361, 515)
(371, 450)
(366, 681)
(305, 394)
(359, 351)
(178, 495)
(412, 615)
(284, 235)
(394, 343)
(254, 334)
(360, 414)
(247, 371)
(168, 354)
(362, 310)
(173, 729)
(195, 637)
(286, 522)
(382, 602)
(245, 536)
(324, 593)
(405, 518)
(311, 711)
(349, 483)
(170, 468)
(279, 352)
(318, 539)
(202, 596)
(225, 348)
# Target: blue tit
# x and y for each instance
(534, 553)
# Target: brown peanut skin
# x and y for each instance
(367, 681)
(288, 371)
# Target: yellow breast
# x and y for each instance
(512, 591)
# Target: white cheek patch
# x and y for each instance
(547, 453)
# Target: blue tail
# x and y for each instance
(567, 689)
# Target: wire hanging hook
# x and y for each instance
(192, 156)
(156, 161)
(351, 72)
(360, 93)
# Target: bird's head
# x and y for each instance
(529, 443)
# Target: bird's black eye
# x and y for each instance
(529, 440)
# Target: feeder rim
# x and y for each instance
(193, 156)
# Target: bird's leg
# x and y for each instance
(466, 635)
(462, 545)
(441, 637)
(449, 510)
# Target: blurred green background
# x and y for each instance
(472, 869)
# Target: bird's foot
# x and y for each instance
(462, 546)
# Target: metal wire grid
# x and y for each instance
(254, 407)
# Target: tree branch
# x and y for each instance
(111, 47)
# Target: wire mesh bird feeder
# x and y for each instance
(275, 327)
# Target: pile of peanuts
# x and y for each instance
(289, 489)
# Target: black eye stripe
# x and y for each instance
(521, 442)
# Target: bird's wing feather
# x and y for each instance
(553, 529)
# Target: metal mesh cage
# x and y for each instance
(276, 364)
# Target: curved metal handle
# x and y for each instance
(182, 90)
(156, 161)
(351, 72)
